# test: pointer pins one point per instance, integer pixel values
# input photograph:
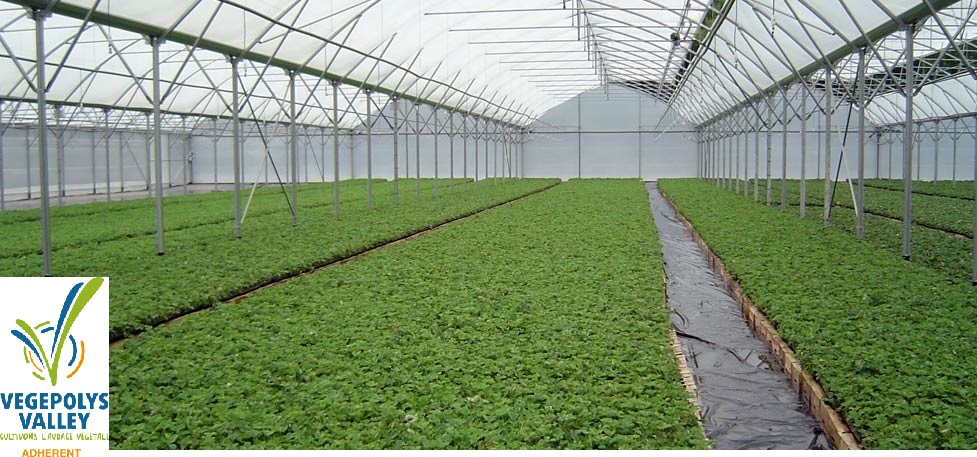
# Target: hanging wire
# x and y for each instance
(736, 32)
(108, 33)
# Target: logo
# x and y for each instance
(47, 364)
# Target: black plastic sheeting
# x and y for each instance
(747, 401)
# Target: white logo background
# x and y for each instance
(36, 300)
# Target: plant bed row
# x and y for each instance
(942, 213)
(891, 341)
(22, 238)
(950, 255)
(957, 189)
(205, 264)
(540, 324)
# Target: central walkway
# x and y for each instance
(746, 402)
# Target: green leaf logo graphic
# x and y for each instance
(50, 361)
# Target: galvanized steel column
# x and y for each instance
(783, 155)
(158, 144)
(417, 151)
(41, 85)
(451, 151)
(756, 165)
(293, 147)
(59, 153)
(236, 153)
(486, 149)
(769, 163)
(722, 157)
(369, 152)
(3, 203)
(149, 152)
(936, 151)
(579, 139)
(860, 207)
(396, 159)
(736, 181)
(464, 146)
(803, 119)
(974, 278)
(746, 164)
(108, 159)
(437, 127)
(907, 159)
(94, 166)
(335, 148)
(956, 138)
(827, 144)
(476, 152)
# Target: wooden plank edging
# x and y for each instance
(833, 424)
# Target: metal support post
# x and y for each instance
(862, 103)
(417, 151)
(94, 166)
(495, 159)
(486, 150)
(186, 156)
(369, 151)
(907, 159)
(579, 139)
(701, 147)
(476, 152)
(746, 164)
(335, 148)
(451, 151)
(437, 127)
(956, 138)
(756, 165)
(59, 152)
(828, 103)
(769, 164)
(464, 145)
(803, 119)
(783, 155)
(396, 133)
(936, 151)
(736, 181)
(974, 255)
(236, 153)
(722, 164)
(39, 16)
(108, 158)
(293, 146)
(149, 152)
(919, 148)
(213, 141)
(3, 129)
(155, 43)
(878, 154)
(27, 158)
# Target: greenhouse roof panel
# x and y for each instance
(508, 60)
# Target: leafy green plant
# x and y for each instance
(78, 225)
(205, 264)
(539, 324)
(891, 341)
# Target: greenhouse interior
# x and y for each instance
(533, 224)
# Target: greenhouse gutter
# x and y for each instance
(913, 15)
(141, 28)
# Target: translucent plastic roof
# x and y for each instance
(507, 60)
